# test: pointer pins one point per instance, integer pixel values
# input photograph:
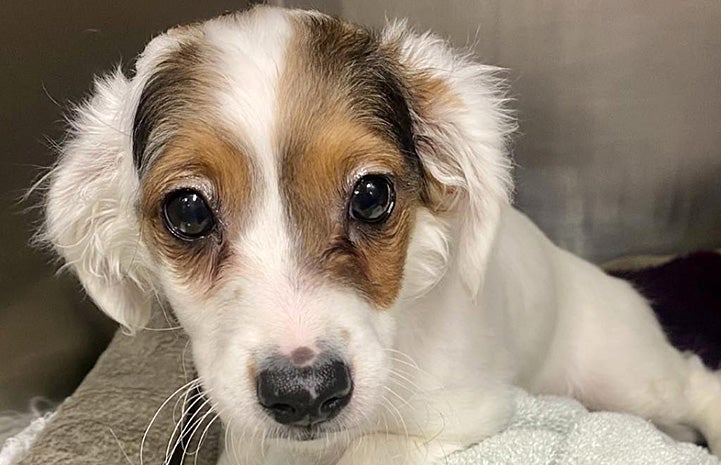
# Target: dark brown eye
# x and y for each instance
(372, 199)
(187, 215)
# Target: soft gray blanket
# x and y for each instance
(558, 431)
(104, 421)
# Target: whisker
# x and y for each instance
(396, 415)
(190, 393)
(404, 401)
(183, 358)
(400, 352)
(203, 436)
(410, 362)
(196, 427)
(157, 412)
(180, 426)
(412, 386)
(193, 425)
(120, 446)
(226, 432)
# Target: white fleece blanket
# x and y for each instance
(18, 433)
(558, 431)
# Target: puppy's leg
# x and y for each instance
(427, 428)
(372, 449)
(239, 451)
(614, 356)
(677, 393)
(390, 449)
(704, 395)
(272, 452)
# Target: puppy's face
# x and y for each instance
(288, 181)
(278, 189)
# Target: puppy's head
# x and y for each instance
(285, 181)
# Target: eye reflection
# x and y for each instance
(372, 199)
(187, 215)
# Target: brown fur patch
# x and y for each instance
(428, 94)
(177, 83)
(198, 157)
(344, 112)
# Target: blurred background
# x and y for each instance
(619, 148)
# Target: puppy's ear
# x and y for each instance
(90, 206)
(461, 131)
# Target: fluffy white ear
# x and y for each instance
(461, 130)
(90, 214)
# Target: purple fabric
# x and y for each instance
(686, 295)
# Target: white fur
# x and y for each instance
(471, 138)
(487, 300)
(90, 215)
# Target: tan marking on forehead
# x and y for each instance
(328, 158)
(332, 127)
(204, 159)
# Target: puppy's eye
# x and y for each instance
(373, 199)
(187, 215)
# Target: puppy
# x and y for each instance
(326, 210)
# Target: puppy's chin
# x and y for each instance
(303, 434)
(309, 435)
(305, 437)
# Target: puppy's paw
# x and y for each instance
(714, 444)
(462, 415)
(388, 449)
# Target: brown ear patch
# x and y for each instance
(431, 94)
(202, 159)
(344, 114)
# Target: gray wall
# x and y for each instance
(619, 150)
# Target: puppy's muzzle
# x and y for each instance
(304, 395)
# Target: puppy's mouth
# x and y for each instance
(303, 433)
(300, 433)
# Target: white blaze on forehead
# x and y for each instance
(251, 60)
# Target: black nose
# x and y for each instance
(304, 396)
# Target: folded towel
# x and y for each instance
(548, 430)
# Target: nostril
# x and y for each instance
(331, 405)
(283, 409)
(337, 391)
